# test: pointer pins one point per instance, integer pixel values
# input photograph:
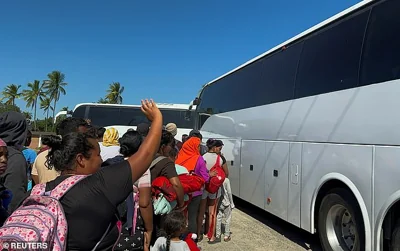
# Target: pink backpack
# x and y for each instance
(41, 218)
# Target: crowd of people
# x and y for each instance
(143, 190)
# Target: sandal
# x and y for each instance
(216, 240)
(227, 238)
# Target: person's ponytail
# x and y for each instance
(168, 244)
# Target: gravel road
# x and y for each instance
(255, 230)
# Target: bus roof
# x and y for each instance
(159, 105)
(303, 34)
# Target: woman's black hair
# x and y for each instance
(63, 150)
(91, 130)
(213, 142)
(100, 132)
(173, 153)
(167, 139)
(174, 223)
(129, 143)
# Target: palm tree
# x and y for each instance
(102, 101)
(55, 87)
(45, 104)
(114, 93)
(27, 115)
(65, 108)
(32, 95)
(11, 92)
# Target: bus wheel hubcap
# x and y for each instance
(341, 229)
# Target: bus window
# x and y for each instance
(103, 116)
(330, 58)
(131, 117)
(80, 112)
(177, 117)
(381, 57)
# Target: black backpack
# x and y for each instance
(127, 241)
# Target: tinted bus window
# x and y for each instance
(80, 112)
(103, 116)
(266, 81)
(381, 57)
(129, 116)
(278, 76)
(330, 59)
(177, 117)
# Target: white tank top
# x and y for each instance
(211, 159)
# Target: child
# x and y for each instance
(30, 156)
(225, 209)
(174, 227)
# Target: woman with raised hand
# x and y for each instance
(91, 204)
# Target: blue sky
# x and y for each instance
(160, 49)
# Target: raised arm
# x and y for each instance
(142, 159)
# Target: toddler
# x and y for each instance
(225, 210)
(174, 227)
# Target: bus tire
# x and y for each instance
(340, 223)
(395, 242)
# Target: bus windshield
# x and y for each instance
(128, 116)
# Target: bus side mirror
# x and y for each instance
(196, 101)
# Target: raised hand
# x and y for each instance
(150, 109)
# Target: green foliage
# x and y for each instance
(27, 115)
(10, 93)
(45, 96)
(103, 101)
(114, 93)
(55, 87)
(9, 108)
(43, 125)
(32, 95)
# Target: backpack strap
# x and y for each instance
(218, 162)
(38, 189)
(102, 237)
(64, 186)
(156, 160)
(136, 208)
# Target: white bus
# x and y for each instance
(123, 117)
(308, 131)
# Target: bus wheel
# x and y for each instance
(340, 223)
(395, 242)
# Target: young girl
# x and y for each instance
(174, 227)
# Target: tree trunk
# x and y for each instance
(54, 110)
(47, 117)
(34, 116)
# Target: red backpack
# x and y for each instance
(216, 182)
(191, 182)
(163, 185)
